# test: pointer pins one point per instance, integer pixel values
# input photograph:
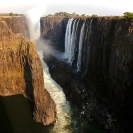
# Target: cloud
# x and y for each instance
(114, 5)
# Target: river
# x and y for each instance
(16, 112)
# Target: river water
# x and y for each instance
(16, 113)
(68, 118)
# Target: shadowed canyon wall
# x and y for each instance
(21, 70)
(106, 71)
(53, 29)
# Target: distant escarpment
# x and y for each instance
(100, 52)
(21, 72)
(53, 29)
(17, 24)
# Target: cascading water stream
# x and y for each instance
(72, 44)
(77, 52)
(68, 40)
(80, 48)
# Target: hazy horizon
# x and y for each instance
(98, 7)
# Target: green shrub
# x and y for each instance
(94, 15)
(128, 15)
(10, 14)
(115, 17)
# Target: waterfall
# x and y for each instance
(68, 39)
(77, 46)
(80, 48)
(72, 44)
(75, 28)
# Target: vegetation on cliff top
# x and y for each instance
(69, 15)
(11, 14)
(15, 49)
(128, 15)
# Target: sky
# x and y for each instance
(98, 7)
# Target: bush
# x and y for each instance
(94, 15)
(83, 15)
(115, 17)
(128, 15)
(10, 14)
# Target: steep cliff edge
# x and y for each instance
(110, 69)
(106, 70)
(53, 29)
(21, 72)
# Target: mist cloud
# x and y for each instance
(33, 20)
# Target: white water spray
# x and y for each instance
(76, 49)
(80, 48)
(62, 105)
(68, 40)
(33, 20)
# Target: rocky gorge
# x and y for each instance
(95, 71)
(21, 70)
(102, 87)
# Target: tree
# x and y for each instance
(10, 14)
(128, 15)
(94, 15)
(83, 15)
(73, 14)
(49, 15)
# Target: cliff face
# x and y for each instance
(53, 29)
(111, 56)
(107, 70)
(21, 72)
(110, 66)
(17, 25)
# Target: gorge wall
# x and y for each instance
(53, 29)
(17, 25)
(21, 70)
(106, 66)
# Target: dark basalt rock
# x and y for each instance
(86, 98)
(53, 29)
(108, 81)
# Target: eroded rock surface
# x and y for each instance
(17, 24)
(21, 72)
